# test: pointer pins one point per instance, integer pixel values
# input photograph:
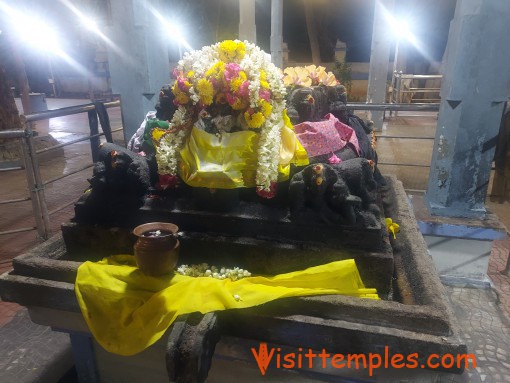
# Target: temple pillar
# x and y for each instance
(340, 51)
(379, 61)
(277, 33)
(139, 64)
(247, 28)
(285, 55)
(474, 90)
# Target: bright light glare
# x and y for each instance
(399, 27)
(33, 31)
(38, 35)
(85, 20)
(89, 23)
(401, 31)
(92, 26)
(172, 29)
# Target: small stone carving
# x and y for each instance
(343, 193)
(308, 104)
(313, 103)
(119, 183)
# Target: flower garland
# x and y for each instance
(237, 77)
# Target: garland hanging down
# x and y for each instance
(238, 79)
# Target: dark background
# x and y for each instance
(207, 21)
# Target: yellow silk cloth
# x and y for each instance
(231, 160)
(127, 311)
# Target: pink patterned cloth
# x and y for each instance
(326, 136)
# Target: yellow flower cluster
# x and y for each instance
(254, 120)
(266, 108)
(308, 76)
(181, 97)
(216, 71)
(239, 104)
(232, 51)
(236, 83)
(240, 78)
(205, 91)
(263, 80)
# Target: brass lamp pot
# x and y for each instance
(157, 247)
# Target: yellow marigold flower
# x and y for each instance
(263, 75)
(232, 50)
(216, 70)
(205, 91)
(254, 120)
(180, 97)
(266, 108)
(157, 133)
(235, 84)
(264, 84)
(190, 74)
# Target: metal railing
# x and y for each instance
(409, 84)
(404, 87)
(425, 107)
(419, 107)
(97, 115)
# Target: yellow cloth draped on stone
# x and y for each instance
(230, 160)
(127, 311)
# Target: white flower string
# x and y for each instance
(243, 75)
(204, 270)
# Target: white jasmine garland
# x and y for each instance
(166, 153)
(167, 150)
(193, 67)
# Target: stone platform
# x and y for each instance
(460, 247)
(417, 318)
(226, 229)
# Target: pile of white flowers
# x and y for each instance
(204, 270)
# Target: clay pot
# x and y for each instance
(157, 247)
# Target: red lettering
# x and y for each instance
(429, 359)
(356, 358)
(450, 364)
(289, 360)
(337, 358)
(412, 360)
(324, 355)
(310, 355)
(395, 359)
(464, 357)
(371, 364)
(262, 357)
